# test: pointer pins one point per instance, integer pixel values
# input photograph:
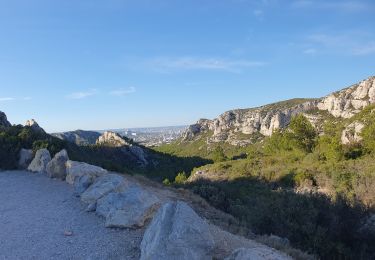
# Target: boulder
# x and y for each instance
(257, 253)
(177, 232)
(75, 170)
(128, 209)
(56, 168)
(102, 186)
(40, 161)
(25, 158)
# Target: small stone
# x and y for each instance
(68, 233)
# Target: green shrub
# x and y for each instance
(181, 178)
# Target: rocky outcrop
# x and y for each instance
(34, 125)
(25, 158)
(79, 137)
(40, 161)
(352, 133)
(350, 101)
(177, 232)
(82, 175)
(128, 209)
(111, 139)
(139, 153)
(264, 120)
(3, 120)
(257, 253)
(56, 168)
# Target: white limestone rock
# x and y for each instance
(76, 170)
(104, 185)
(128, 209)
(40, 161)
(25, 158)
(34, 125)
(56, 168)
(352, 133)
(177, 232)
(350, 101)
(111, 139)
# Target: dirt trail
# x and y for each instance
(35, 211)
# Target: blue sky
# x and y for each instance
(92, 64)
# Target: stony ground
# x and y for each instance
(37, 215)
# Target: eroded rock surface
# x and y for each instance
(56, 168)
(237, 126)
(102, 186)
(112, 139)
(128, 209)
(34, 125)
(177, 232)
(352, 133)
(40, 161)
(25, 158)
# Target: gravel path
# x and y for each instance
(36, 211)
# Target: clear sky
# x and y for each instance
(89, 64)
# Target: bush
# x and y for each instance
(218, 155)
(181, 178)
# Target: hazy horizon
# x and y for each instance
(128, 64)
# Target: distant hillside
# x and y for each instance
(240, 126)
(79, 137)
(151, 136)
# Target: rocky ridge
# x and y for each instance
(111, 139)
(172, 228)
(3, 120)
(79, 137)
(34, 125)
(264, 120)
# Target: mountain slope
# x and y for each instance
(79, 137)
(238, 126)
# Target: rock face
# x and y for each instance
(257, 253)
(3, 120)
(79, 137)
(102, 186)
(177, 232)
(82, 175)
(352, 133)
(111, 139)
(139, 153)
(40, 161)
(264, 120)
(56, 168)
(25, 158)
(34, 125)
(350, 101)
(128, 209)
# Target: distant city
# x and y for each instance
(151, 136)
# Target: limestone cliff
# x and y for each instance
(264, 120)
(111, 139)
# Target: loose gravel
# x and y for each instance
(41, 218)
